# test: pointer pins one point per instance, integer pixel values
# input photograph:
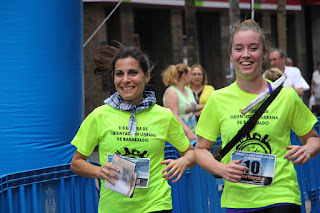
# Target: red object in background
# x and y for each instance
(289, 2)
(311, 2)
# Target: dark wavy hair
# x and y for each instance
(105, 58)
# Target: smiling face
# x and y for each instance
(247, 54)
(197, 76)
(130, 80)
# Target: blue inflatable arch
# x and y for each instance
(41, 82)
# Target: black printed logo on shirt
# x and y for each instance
(255, 143)
(133, 153)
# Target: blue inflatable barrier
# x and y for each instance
(41, 84)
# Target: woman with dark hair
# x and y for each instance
(258, 172)
(131, 124)
(199, 85)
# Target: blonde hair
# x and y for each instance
(244, 26)
(173, 73)
(273, 74)
(205, 77)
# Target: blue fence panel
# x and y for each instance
(197, 190)
(53, 189)
(57, 189)
(200, 192)
(308, 178)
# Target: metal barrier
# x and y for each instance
(198, 191)
(48, 190)
(309, 179)
(57, 189)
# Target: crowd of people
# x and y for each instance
(132, 125)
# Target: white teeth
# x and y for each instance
(246, 63)
(127, 88)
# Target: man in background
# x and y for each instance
(277, 59)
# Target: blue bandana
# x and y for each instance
(115, 101)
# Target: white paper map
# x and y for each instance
(142, 169)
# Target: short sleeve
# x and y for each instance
(303, 120)
(176, 135)
(86, 138)
(208, 126)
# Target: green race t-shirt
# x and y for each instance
(222, 115)
(108, 128)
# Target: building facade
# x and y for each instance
(158, 27)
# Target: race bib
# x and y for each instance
(142, 169)
(261, 167)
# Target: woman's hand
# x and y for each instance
(106, 173)
(299, 155)
(174, 168)
(198, 113)
(232, 171)
(80, 166)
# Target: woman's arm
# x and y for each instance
(231, 172)
(178, 166)
(310, 148)
(312, 89)
(80, 166)
(171, 100)
(199, 109)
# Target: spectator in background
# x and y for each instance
(179, 97)
(315, 86)
(200, 89)
(272, 74)
(289, 62)
(305, 86)
(277, 59)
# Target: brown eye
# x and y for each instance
(118, 73)
(133, 72)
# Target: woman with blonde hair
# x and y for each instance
(258, 172)
(179, 97)
(199, 86)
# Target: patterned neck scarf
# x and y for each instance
(115, 101)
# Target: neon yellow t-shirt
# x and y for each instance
(271, 135)
(108, 128)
